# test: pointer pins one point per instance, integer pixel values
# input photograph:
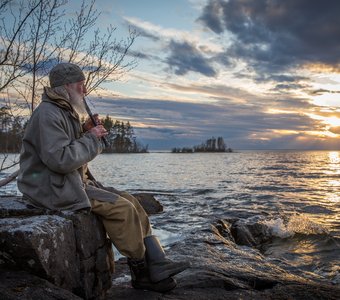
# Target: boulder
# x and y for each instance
(250, 231)
(149, 203)
(68, 249)
(42, 245)
(13, 206)
(23, 285)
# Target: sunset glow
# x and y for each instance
(203, 71)
(331, 121)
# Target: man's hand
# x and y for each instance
(99, 131)
(89, 124)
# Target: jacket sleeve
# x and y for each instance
(58, 151)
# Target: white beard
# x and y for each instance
(73, 98)
(77, 102)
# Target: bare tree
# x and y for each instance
(34, 37)
(47, 41)
(103, 58)
(13, 54)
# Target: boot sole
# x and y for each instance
(165, 274)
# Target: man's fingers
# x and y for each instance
(89, 123)
(99, 131)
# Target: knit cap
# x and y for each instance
(64, 73)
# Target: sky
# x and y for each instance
(262, 74)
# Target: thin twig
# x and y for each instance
(9, 178)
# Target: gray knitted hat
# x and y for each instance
(64, 73)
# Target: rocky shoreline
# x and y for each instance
(222, 269)
(223, 266)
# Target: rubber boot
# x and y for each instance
(159, 266)
(140, 278)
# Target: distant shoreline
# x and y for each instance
(234, 151)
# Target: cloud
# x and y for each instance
(276, 35)
(152, 31)
(293, 86)
(335, 129)
(164, 124)
(212, 16)
(42, 67)
(323, 91)
(184, 57)
(151, 34)
(184, 53)
(217, 92)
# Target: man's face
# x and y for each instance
(81, 88)
(77, 88)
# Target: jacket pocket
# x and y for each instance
(64, 190)
(58, 180)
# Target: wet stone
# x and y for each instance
(222, 269)
(149, 203)
(24, 285)
(57, 247)
(43, 245)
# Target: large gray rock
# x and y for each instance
(70, 249)
(250, 231)
(149, 203)
(14, 207)
(23, 285)
(42, 245)
(95, 254)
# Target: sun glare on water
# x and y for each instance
(334, 157)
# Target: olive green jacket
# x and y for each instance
(54, 155)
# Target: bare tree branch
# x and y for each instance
(34, 37)
(9, 178)
(17, 31)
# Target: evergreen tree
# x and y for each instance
(108, 123)
(11, 131)
(121, 137)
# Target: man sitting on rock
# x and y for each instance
(53, 175)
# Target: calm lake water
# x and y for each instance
(297, 193)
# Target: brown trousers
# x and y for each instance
(125, 222)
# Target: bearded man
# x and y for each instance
(53, 174)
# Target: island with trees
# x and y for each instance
(210, 145)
